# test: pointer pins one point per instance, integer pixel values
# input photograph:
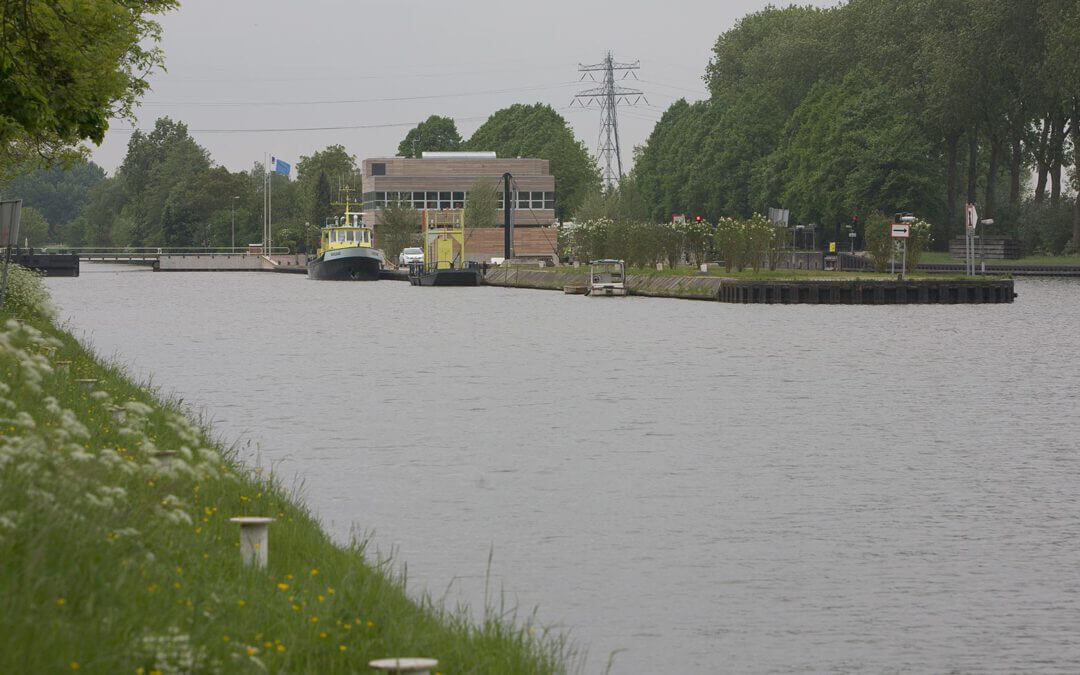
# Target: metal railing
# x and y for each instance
(145, 252)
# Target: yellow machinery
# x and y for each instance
(444, 239)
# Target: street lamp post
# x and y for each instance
(233, 210)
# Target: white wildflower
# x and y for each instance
(138, 409)
(100, 395)
(104, 502)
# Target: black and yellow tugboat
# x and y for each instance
(346, 248)
(444, 252)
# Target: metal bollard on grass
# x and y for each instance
(411, 664)
(254, 539)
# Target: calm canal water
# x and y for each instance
(698, 487)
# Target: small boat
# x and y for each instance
(444, 252)
(607, 278)
(346, 249)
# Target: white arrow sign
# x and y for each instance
(901, 231)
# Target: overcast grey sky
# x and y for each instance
(271, 64)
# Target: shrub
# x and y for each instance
(26, 295)
(918, 242)
(879, 244)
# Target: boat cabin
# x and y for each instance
(345, 232)
(607, 277)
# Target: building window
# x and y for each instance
(538, 200)
(378, 168)
(549, 200)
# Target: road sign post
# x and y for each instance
(901, 231)
(971, 219)
(10, 213)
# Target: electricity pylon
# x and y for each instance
(609, 95)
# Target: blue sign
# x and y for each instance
(279, 166)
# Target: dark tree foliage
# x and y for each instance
(66, 68)
(56, 192)
(879, 104)
(433, 134)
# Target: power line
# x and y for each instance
(386, 99)
(609, 96)
(342, 127)
(346, 77)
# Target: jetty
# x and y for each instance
(818, 291)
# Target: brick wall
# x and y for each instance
(483, 244)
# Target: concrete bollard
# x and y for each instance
(254, 539)
(704, 268)
(412, 664)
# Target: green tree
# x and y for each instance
(847, 149)
(538, 131)
(399, 227)
(33, 228)
(482, 209)
(340, 170)
(155, 163)
(59, 193)
(67, 68)
(433, 134)
(321, 209)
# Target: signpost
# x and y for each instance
(971, 219)
(901, 230)
(10, 212)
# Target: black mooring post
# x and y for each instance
(507, 237)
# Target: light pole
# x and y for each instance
(233, 210)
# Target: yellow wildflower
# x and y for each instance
(281, 648)
(341, 648)
(314, 619)
(283, 587)
(252, 651)
(60, 601)
(74, 665)
(322, 635)
(314, 572)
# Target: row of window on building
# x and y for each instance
(453, 200)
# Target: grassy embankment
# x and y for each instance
(941, 257)
(118, 559)
(776, 275)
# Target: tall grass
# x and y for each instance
(119, 557)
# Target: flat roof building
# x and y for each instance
(441, 180)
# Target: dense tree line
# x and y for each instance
(880, 106)
(168, 192)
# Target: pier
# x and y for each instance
(842, 291)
